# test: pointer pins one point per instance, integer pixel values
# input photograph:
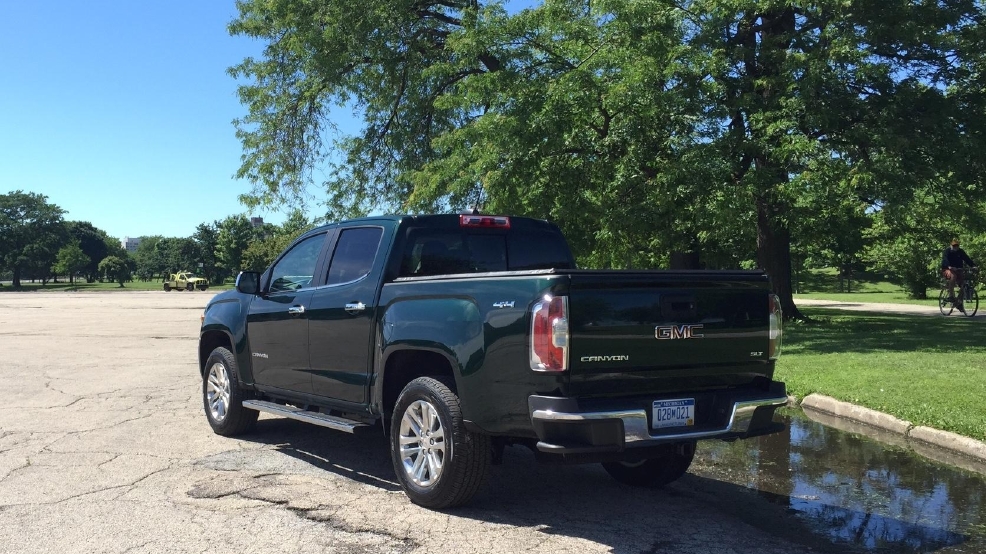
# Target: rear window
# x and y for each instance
(437, 252)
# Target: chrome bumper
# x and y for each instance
(636, 426)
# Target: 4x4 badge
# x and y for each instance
(503, 304)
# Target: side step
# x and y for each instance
(325, 420)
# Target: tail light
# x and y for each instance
(549, 334)
(776, 327)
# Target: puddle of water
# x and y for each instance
(858, 493)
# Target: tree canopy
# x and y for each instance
(31, 233)
(738, 129)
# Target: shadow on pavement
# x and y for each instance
(762, 488)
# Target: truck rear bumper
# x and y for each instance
(574, 426)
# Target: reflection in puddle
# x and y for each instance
(856, 491)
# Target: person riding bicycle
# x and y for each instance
(953, 262)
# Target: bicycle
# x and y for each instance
(968, 301)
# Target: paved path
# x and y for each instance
(915, 309)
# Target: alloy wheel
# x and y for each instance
(422, 443)
(218, 392)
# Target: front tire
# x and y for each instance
(654, 472)
(971, 304)
(438, 463)
(223, 397)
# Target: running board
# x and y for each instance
(325, 420)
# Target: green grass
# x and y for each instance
(929, 371)
(823, 284)
(27, 286)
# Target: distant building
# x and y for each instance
(256, 222)
(130, 244)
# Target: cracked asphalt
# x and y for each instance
(104, 448)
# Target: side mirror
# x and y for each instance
(248, 282)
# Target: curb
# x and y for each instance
(961, 451)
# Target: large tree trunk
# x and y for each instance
(774, 255)
(17, 277)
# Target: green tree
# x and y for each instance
(115, 269)
(176, 254)
(206, 236)
(148, 258)
(264, 249)
(92, 241)
(70, 260)
(642, 127)
(233, 238)
(31, 233)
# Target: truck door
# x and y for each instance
(343, 313)
(277, 324)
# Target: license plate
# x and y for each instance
(674, 413)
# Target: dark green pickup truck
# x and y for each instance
(463, 334)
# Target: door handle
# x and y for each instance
(296, 310)
(355, 307)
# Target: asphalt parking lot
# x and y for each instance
(104, 448)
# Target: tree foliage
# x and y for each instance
(93, 242)
(31, 232)
(271, 240)
(70, 260)
(233, 238)
(115, 269)
(642, 127)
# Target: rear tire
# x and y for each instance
(190, 287)
(655, 472)
(944, 305)
(167, 287)
(438, 463)
(223, 397)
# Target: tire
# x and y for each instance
(190, 287)
(222, 396)
(655, 472)
(202, 288)
(944, 305)
(167, 287)
(972, 304)
(450, 472)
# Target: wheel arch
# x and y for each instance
(402, 366)
(209, 341)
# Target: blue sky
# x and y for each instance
(120, 111)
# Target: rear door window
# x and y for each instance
(354, 254)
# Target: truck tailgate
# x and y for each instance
(661, 331)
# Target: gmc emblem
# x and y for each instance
(671, 332)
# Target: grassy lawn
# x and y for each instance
(27, 286)
(929, 371)
(823, 284)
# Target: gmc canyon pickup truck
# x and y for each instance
(462, 334)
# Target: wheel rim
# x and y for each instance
(217, 392)
(422, 443)
(972, 305)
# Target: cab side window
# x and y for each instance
(354, 254)
(297, 268)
